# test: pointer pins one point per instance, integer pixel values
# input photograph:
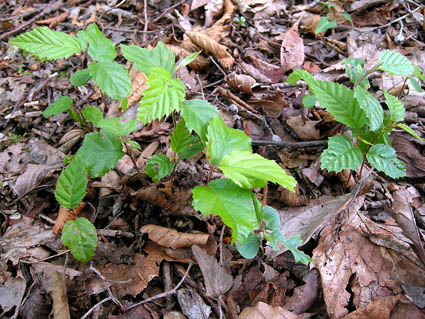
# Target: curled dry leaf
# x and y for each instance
(171, 238)
(198, 64)
(210, 45)
(138, 82)
(310, 24)
(227, 14)
(241, 82)
(60, 300)
(54, 21)
(70, 139)
(32, 177)
(292, 49)
(65, 215)
(212, 10)
(260, 70)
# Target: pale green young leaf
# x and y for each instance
(415, 84)
(159, 166)
(83, 39)
(324, 24)
(340, 154)
(184, 143)
(251, 246)
(100, 49)
(80, 77)
(163, 96)
(44, 43)
(395, 106)
(80, 237)
(112, 78)
(384, 159)
(395, 63)
(197, 114)
(348, 18)
(233, 204)
(418, 72)
(72, 184)
(62, 104)
(292, 244)
(297, 75)
(134, 145)
(223, 140)
(354, 68)
(308, 101)
(92, 114)
(371, 107)
(188, 60)
(115, 126)
(100, 152)
(250, 170)
(340, 102)
(409, 130)
(144, 59)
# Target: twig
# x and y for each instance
(167, 284)
(95, 306)
(145, 27)
(168, 10)
(389, 23)
(218, 67)
(161, 295)
(110, 9)
(220, 271)
(292, 145)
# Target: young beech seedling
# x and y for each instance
(363, 114)
(199, 128)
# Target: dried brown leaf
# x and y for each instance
(65, 215)
(262, 310)
(54, 21)
(198, 64)
(138, 82)
(60, 300)
(241, 82)
(292, 49)
(171, 238)
(304, 128)
(212, 10)
(210, 45)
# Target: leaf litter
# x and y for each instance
(366, 243)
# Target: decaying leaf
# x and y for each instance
(65, 215)
(212, 10)
(292, 49)
(198, 64)
(138, 83)
(241, 82)
(192, 304)
(54, 21)
(173, 239)
(304, 128)
(263, 310)
(210, 45)
(60, 300)
(217, 281)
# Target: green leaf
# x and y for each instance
(72, 184)
(340, 154)
(134, 145)
(100, 152)
(197, 114)
(418, 72)
(223, 140)
(395, 63)
(83, 39)
(163, 96)
(112, 79)
(189, 59)
(340, 102)
(62, 104)
(300, 75)
(371, 106)
(100, 49)
(324, 24)
(348, 17)
(354, 68)
(367, 138)
(415, 84)
(384, 159)
(249, 170)
(233, 204)
(184, 143)
(76, 117)
(159, 166)
(80, 77)
(292, 244)
(409, 130)
(395, 106)
(47, 44)
(115, 126)
(92, 114)
(80, 237)
(308, 101)
(250, 248)
(144, 59)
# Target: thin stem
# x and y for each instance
(212, 168)
(402, 88)
(130, 154)
(376, 67)
(173, 115)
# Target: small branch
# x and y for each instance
(292, 145)
(145, 13)
(129, 153)
(162, 295)
(168, 10)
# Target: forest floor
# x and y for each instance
(159, 258)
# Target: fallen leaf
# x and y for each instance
(292, 49)
(171, 238)
(241, 82)
(12, 292)
(409, 154)
(262, 310)
(54, 21)
(212, 10)
(138, 84)
(217, 279)
(60, 300)
(304, 128)
(192, 304)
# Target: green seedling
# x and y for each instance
(197, 127)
